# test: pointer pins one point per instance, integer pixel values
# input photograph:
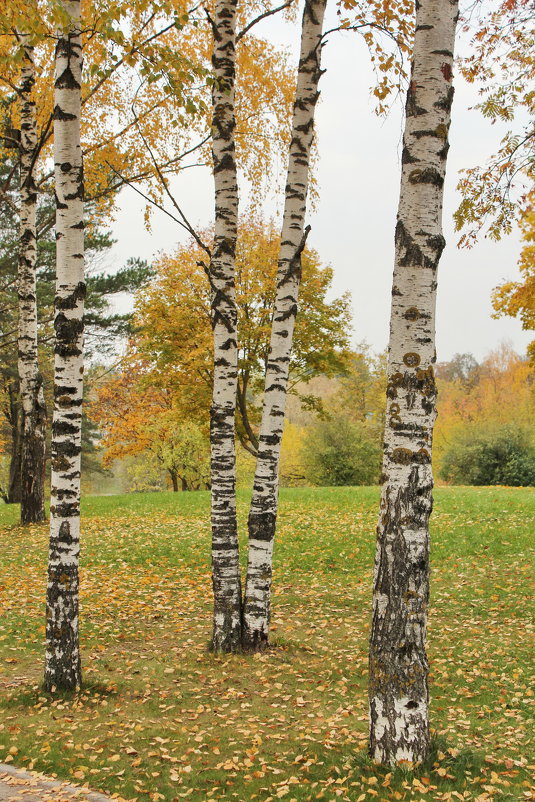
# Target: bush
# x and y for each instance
(339, 452)
(503, 456)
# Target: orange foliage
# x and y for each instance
(497, 392)
(517, 298)
(125, 407)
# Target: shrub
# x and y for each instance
(339, 452)
(502, 456)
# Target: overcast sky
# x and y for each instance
(353, 224)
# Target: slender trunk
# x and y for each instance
(398, 686)
(249, 440)
(31, 383)
(184, 484)
(62, 669)
(14, 489)
(225, 558)
(263, 512)
(174, 480)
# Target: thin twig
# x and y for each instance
(147, 198)
(266, 14)
(165, 185)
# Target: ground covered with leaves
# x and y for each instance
(160, 718)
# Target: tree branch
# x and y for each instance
(146, 197)
(258, 19)
(5, 197)
(186, 224)
(242, 405)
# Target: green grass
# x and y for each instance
(159, 718)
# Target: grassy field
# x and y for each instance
(159, 718)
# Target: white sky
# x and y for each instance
(353, 225)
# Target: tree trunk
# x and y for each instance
(14, 489)
(398, 685)
(62, 669)
(263, 512)
(31, 384)
(225, 558)
(174, 480)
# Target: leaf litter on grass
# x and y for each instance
(159, 718)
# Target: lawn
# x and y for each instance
(160, 718)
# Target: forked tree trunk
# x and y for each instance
(398, 685)
(263, 512)
(33, 425)
(225, 559)
(62, 668)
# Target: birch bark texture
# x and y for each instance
(62, 663)
(263, 511)
(398, 684)
(33, 427)
(221, 274)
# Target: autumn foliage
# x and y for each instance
(476, 400)
(169, 364)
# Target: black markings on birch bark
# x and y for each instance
(398, 689)
(62, 663)
(33, 424)
(226, 581)
(263, 511)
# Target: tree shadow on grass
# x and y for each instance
(446, 769)
(36, 696)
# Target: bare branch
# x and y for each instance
(10, 177)
(186, 224)
(5, 197)
(147, 198)
(263, 16)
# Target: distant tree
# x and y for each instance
(354, 398)
(461, 367)
(135, 418)
(495, 394)
(339, 452)
(360, 393)
(503, 456)
(173, 327)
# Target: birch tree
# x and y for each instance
(398, 685)
(33, 427)
(225, 558)
(263, 511)
(62, 666)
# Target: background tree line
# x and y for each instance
(336, 408)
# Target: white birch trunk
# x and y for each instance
(62, 668)
(225, 557)
(31, 383)
(263, 511)
(398, 687)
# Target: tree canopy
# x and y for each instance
(174, 336)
